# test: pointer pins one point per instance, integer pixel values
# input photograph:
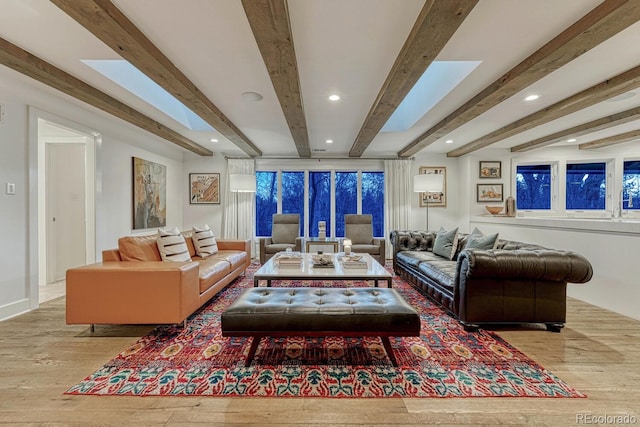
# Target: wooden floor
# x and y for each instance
(40, 357)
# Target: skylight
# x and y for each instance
(133, 80)
(437, 81)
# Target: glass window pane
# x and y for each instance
(631, 185)
(373, 199)
(319, 201)
(533, 187)
(266, 201)
(346, 198)
(586, 186)
(293, 195)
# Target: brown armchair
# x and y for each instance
(285, 233)
(359, 229)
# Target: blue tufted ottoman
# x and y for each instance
(319, 312)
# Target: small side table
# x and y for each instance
(314, 244)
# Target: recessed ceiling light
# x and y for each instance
(252, 96)
(571, 140)
(213, 140)
(532, 97)
(449, 141)
(334, 97)
(329, 141)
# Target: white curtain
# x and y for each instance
(397, 197)
(240, 207)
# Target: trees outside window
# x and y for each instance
(533, 187)
(293, 195)
(631, 184)
(373, 199)
(266, 201)
(346, 198)
(319, 201)
(586, 186)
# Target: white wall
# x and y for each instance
(120, 142)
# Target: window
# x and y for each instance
(266, 201)
(586, 186)
(631, 185)
(293, 195)
(346, 198)
(373, 199)
(319, 201)
(533, 186)
(327, 196)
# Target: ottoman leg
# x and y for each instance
(252, 351)
(389, 350)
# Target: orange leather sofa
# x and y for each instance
(132, 285)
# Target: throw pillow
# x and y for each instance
(203, 241)
(446, 243)
(482, 242)
(172, 245)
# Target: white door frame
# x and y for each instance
(37, 195)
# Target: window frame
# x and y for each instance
(609, 169)
(554, 208)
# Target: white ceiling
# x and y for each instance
(342, 46)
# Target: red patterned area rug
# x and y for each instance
(445, 361)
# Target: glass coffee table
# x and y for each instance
(371, 271)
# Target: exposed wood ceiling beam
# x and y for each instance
(104, 20)
(580, 130)
(607, 89)
(610, 140)
(271, 26)
(22, 61)
(606, 20)
(435, 25)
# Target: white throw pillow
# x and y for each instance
(203, 241)
(172, 245)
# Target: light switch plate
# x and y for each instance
(11, 188)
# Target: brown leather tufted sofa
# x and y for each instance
(132, 285)
(514, 283)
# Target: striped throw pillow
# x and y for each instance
(172, 245)
(204, 242)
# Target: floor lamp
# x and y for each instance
(241, 183)
(428, 183)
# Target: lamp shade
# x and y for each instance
(242, 183)
(429, 182)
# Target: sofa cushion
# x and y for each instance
(235, 258)
(172, 245)
(139, 248)
(446, 243)
(203, 241)
(413, 258)
(278, 247)
(211, 271)
(367, 249)
(482, 242)
(440, 271)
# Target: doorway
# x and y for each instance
(66, 202)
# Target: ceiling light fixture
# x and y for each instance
(334, 97)
(571, 140)
(252, 96)
(532, 97)
(449, 141)
(213, 140)
(329, 141)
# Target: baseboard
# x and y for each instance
(14, 309)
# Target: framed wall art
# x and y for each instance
(204, 188)
(490, 169)
(435, 199)
(489, 193)
(149, 194)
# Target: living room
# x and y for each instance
(28, 106)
